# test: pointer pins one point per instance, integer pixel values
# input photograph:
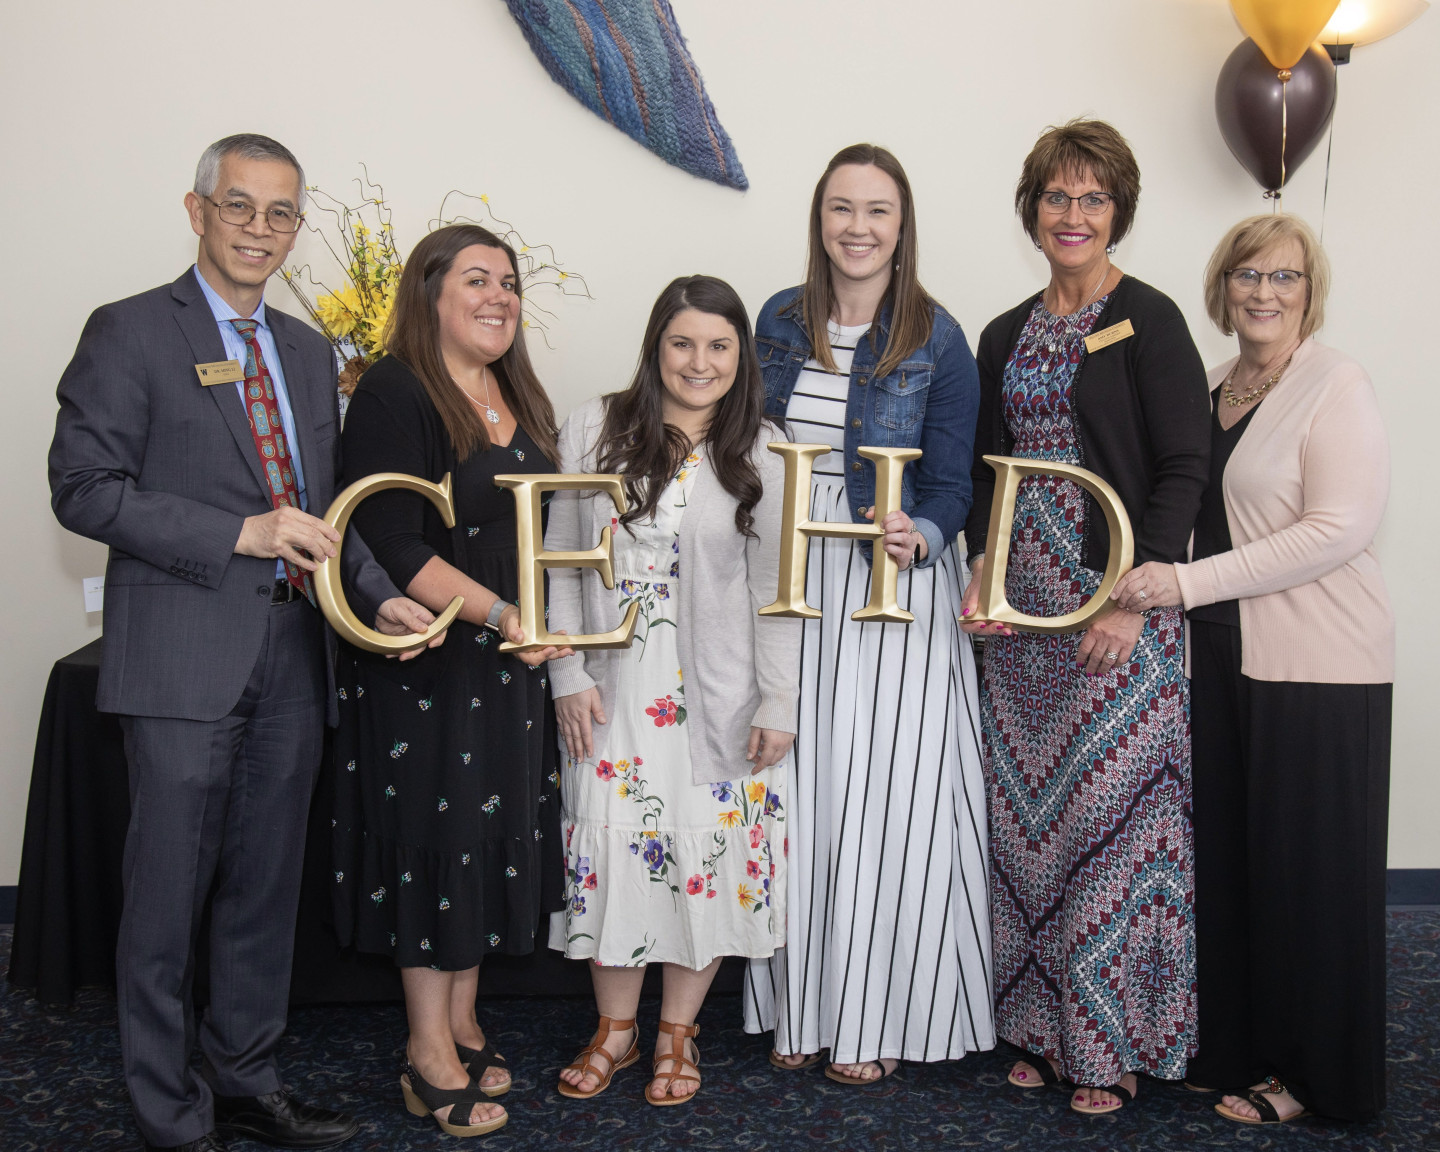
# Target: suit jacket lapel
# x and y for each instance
(197, 323)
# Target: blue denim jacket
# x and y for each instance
(931, 402)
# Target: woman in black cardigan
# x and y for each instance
(1087, 735)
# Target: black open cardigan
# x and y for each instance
(1142, 423)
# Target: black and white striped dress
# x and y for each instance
(888, 932)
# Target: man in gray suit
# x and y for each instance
(198, 437)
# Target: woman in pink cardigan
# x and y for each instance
(1291, 644)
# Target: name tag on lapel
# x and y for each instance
(220, 372)
(1107, 336)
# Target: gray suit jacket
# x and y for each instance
(740, 669)
(164, 471)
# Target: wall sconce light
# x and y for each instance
(1364, 21)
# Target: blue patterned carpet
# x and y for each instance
(61, 1089)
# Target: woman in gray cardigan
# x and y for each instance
(673, 789)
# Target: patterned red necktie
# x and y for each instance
(275, 461)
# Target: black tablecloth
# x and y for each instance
(67, 912)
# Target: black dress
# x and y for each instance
(446, 840)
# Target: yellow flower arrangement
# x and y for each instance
(361, 244)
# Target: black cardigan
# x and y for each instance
(1142, 409)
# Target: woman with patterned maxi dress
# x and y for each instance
(674, 786)
(1087, 738)
(446, 841)
(887, 955)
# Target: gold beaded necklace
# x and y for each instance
(1256, 392)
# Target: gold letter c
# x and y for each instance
(328, 590)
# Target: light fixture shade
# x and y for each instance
(1365, 21)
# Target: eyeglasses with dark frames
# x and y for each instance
(240, 213)
(1283, 280)
(1092, 203)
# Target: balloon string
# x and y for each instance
(1284, 135)
(1329, 148)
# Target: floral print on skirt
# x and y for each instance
(660, 869)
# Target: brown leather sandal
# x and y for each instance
(686, 1068)
(584, 1063)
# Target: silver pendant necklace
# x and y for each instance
(490, 413)
(1070, 327)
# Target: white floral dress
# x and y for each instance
(659, 869)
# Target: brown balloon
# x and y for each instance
(1272, 126)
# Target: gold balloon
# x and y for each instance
(1283, 29)
(992, 604)
(533, 560)
(331, 595)
(796, 528)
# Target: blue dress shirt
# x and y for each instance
(235, 350)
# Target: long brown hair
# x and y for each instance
(911, 307)
(635, 440)
(412, 336)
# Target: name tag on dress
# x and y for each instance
(1107, 336)
(220, 372)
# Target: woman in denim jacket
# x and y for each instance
(887, 954)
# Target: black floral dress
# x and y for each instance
(446, 839)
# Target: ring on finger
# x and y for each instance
(1112, 656)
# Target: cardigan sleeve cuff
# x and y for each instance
(568, 676)
(1197, 583)
(777, 714)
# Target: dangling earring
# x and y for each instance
(1037, 247)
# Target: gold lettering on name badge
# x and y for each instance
(993, 606)
(329, 593)
(220, 372)
(1107, 336)
(533, 560)
(796, 528)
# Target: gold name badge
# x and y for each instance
(220, 372)
(1107, 336)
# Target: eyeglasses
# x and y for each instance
(240, 213)
(1283, 280)
(1092, 203)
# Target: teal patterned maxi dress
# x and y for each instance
(1092, 877)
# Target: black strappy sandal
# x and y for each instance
(478, 1060)
(1114, 1089)
(1048, 1075)
(1256, 1096)
(424, 1099)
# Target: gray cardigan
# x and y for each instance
(740, 669)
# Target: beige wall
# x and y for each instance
(108, 105)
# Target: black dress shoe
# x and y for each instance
(210, 1142)
(278, 1118)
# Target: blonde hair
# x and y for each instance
(1247, 240)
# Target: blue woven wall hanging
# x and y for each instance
(626, 61)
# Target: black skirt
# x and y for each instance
(1291, 795)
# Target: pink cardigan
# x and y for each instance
(1305, 491)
